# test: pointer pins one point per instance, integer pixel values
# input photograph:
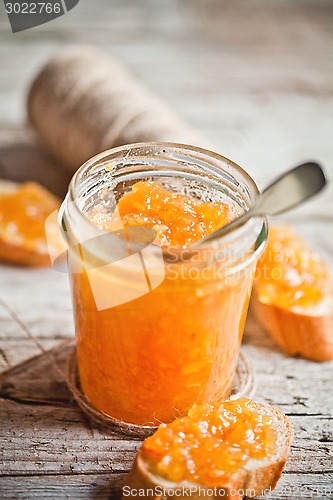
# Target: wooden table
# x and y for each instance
(255, 77)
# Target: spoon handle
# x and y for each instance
(289, 190)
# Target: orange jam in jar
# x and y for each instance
(156, 335)
(211, 443)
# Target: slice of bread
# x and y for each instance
(15, 248)
(293, 295)
(253, 479)
(299, 332)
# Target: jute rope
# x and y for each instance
(244, 386)
(83, 102)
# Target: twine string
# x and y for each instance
(244, 387)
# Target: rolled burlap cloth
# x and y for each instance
(83, 102)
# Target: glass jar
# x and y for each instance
(156, 334)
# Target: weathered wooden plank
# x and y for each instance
(257, 79)
(41, 378)
(48, 293)
(105, 486)
(16, 351)
(298, 487)
(61, 423)
(280, 379)
(96, 486)
(35, 312)
(296, 386)
(50, 439)
(66, 444)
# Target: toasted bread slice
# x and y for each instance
(24, 209)
(293, 296)
(307, 333)
(252, 479)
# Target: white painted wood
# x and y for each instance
(257, 79)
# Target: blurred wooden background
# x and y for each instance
(256, 77)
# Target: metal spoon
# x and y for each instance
(287, 191)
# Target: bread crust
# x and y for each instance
(22, 255)
(298, 334)
(252, 478)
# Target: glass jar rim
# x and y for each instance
(256, 228)
(162, 145)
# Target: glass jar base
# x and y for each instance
(244, 386)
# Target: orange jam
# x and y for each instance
(211, 443)
(290, 273)
(23, 213)
(149, 360)
(179, 220)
